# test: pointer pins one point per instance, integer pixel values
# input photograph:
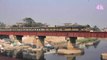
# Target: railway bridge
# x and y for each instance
(41, 33)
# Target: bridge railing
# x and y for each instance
(42, 29)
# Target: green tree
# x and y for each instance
(29, 22)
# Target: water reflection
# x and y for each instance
(75, 57)
(71, 58)
(42, 57)
(91, 52)
(87, 45)
(94, 44)
(94, 52)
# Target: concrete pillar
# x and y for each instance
(40, 41)
(71, 42)
(27, 39)
(12, 37)
(19, 37)
(16, 37)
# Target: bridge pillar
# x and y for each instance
(71, 42)
(40, 41)
(12, 37)
(29, 39)
(16, 37)
(4, 36)
(19, 37)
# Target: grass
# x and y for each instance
(86, 40)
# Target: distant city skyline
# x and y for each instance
(55, 12)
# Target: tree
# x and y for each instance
(2, 24)
(29, 22)
(88, 26)
(95, 28)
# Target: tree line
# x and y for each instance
(29, 22)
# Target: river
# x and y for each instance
(90, 53)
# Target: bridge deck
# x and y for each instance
(57, 33)
(53, 31)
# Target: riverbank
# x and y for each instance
(86, 40)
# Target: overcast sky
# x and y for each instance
(54, 12)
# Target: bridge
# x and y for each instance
(57, 33)
(41, 33)
(52, 31)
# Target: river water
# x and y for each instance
(90, 53)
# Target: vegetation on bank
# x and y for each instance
(86, 40)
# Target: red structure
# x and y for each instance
(70, 36)
(57, 33)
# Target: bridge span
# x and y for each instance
(41, 33)
(57, 33)
(52, 31)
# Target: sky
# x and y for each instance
(54, 12)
